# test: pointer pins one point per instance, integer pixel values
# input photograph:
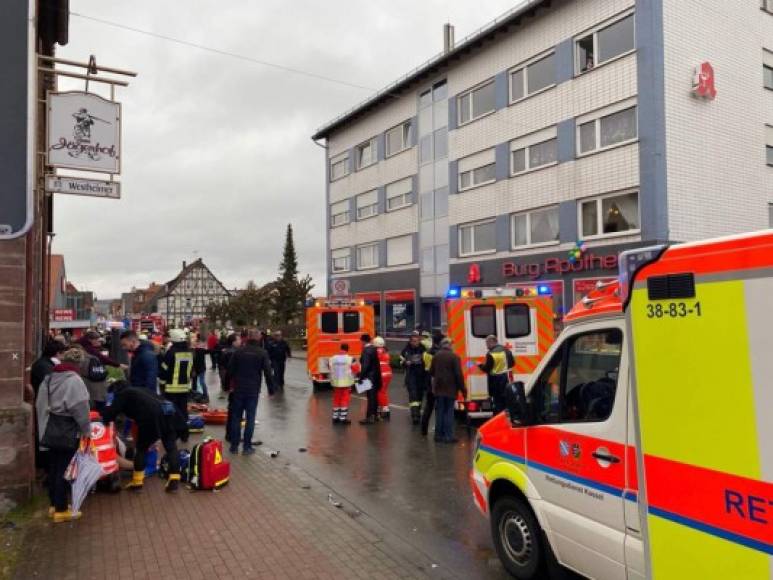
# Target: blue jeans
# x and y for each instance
(444, 418)
(243, 403)
(202, 382)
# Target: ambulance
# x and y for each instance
(642, 446)
(329, 323)
(521, 319)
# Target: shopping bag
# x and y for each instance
(363, 386)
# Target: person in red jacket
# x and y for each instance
(214, 353)
(386, 378)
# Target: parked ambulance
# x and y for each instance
(329, 323)
(642, 446)
(520, 318)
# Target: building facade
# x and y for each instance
(598, 125)
(185, 298)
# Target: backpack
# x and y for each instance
(183, 457)
(207, 468)
(96, 371)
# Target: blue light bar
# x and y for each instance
(453, 292)
(544, 290)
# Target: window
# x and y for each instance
(340, 259)
(339, 213)
(339, 166)
(607, 131)
(604, 44)
(533, 77)
(367, 256)
(483, 320)
(400, 311)
(609, 214)
(328, 322)
(477, 169)
(533, 156)
(580, 381)
(399, 194)
(767, 5)
(365, 154)
(517, 321)
(477, 238)
(535, 227)
(351, 320)
(400, 250)
(398, 138)
(769, 154)
(367, 205)
(476, 103)
(767, 74)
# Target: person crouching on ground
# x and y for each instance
(62, 408)
(447, 381)
(156, 419)
(246, 367)
(342, 381)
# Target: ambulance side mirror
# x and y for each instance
(517, 406)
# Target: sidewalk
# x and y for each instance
(271, 521)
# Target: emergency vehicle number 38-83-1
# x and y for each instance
(673, 310)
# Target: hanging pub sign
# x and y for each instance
(84, 132)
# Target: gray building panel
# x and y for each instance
(381, 193)
(502, 161)
(453, 241)
(353, 209)
(653, 195)
(452, 116)
(566, 131)
(453, 177)
(414, 131)
(502, 232)
(565, 61)
(567, 221)
(382, 253)
(381, 146)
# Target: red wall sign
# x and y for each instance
(62, 315)
(703, 81)
(534, 270)
(473, 274)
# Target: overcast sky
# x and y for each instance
(217, 156)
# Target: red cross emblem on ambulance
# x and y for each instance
(703, 81)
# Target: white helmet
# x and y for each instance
(378, 342)
(177, 335)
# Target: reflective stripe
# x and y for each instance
(341, 370)
(500, 362)
(181, 384)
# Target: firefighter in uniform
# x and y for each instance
(430, 348)
(176, 370)
(412, 358)
(342, 381)
(386, 378)
(499, 361)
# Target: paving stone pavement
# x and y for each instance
(271, 521)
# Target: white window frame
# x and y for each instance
(596, 117)
(346, 212)
(335, 161)
(405, 197)
(412, 258)
(405, 136)
(366, 211)
(525, 68)
(600, 217)
(595, 33)
(372, 143)
(766, 6)
(529, 243)
(346, 255)
(486, 153)
(474, 252)
(528, 141)
(357, 256)
(471, 92)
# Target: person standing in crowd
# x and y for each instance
(212, 340)
(94, 375)
(232, 342)
(499, 361)
(247, 367)
(447, 381)
(200, 367)
(92, 344)
(144, 365)
(430, 349)
(412, 359)
(342, 381)
(156, 419)
(386, 378)
(44, 366)
(370, 370)
(278, 351)
(62, 409)
(175, 376)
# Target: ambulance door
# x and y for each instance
(480, 321)
(518, 330)
(329, 324)
(576, 452)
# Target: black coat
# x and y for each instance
(147, 410)
(246, 369)
(278, 350)
(370, 368)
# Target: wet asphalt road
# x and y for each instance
(414, 488)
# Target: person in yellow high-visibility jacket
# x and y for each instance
(175, 375)
(499, 361)
(342, 381)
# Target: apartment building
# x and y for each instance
(600, 124)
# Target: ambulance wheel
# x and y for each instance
(517, 538)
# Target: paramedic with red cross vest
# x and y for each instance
(499, 361)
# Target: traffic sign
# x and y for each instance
(79, 186)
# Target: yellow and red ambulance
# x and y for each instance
(521, 319)
(642, 446)
(331, 322)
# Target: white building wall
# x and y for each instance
(718, 182)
